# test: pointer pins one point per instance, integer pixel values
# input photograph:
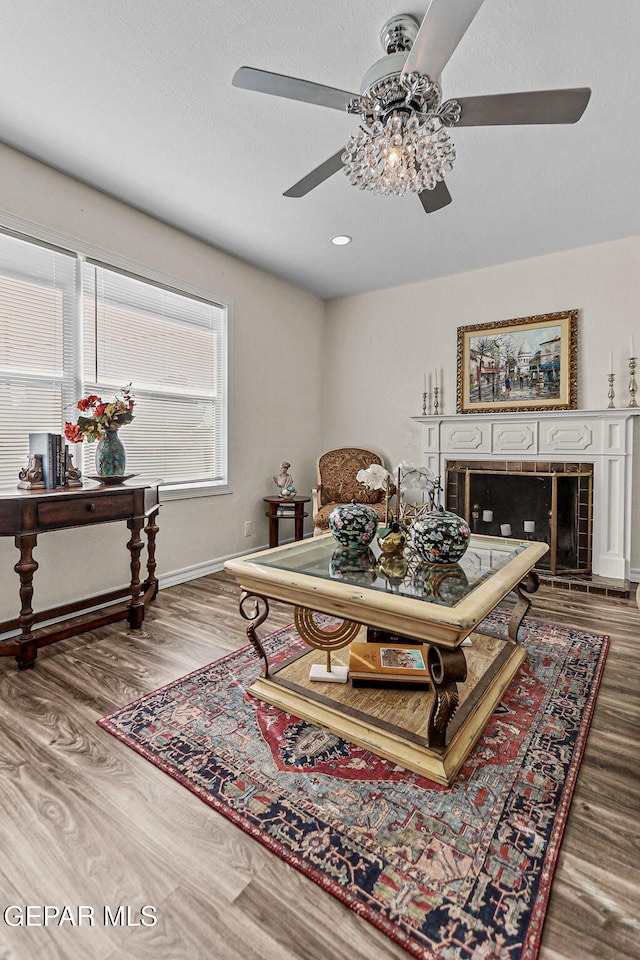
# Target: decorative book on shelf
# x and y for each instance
(53, 452)
(287, 509)
(392, 665)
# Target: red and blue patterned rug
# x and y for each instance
(454, 873)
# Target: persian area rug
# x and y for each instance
(448, 873)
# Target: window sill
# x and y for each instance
(184, 491)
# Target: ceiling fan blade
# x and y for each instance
(280, 85)
(535, 106)
(317, 176)
(435, 199)
(444, 25)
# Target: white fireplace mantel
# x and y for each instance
(604, 438)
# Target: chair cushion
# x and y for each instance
(321, 518)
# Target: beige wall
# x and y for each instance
(382, 343)
(277, 348)
(307, 375)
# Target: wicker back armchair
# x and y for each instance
(337, 484)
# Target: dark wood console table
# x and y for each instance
(26, 513)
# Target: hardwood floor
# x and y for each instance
(86, 821)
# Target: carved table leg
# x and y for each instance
(255, 617)
(530, 584)
(151, 530)
(25, 568)
(135, 544)
(446, 668)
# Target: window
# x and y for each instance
(171, 347)
(70, 326)
(37, 350)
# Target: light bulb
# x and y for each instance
(394, 157)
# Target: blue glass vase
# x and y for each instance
(111, 458)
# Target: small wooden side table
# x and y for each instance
(298, 514)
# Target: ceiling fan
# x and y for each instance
(403, 141)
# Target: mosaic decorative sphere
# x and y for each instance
(353, 524)
(440, 536)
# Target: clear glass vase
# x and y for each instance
(111, 459)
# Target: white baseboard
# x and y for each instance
(634, 575)
(174, 577)
(184, 574)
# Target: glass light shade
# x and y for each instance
(405, 154)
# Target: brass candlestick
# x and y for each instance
(435, 400)
(633, 386)
(611, 377)
(424, 404)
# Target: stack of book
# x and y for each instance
(286, 510)
(53, 450)
(388, 665)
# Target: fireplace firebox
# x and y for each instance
(546, 501)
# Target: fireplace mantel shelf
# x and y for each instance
(604, 438)
(615, 413)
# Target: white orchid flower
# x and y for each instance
(414, 479)
(375, 477)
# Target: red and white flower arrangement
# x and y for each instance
(100, 415)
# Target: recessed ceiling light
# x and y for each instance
(340, 241)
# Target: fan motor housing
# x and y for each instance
(389, 66)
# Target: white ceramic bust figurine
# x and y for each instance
(284, 481)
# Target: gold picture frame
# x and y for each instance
(529, 363)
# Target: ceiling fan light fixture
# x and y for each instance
(402, 144)
(406, 153)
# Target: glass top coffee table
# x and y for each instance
(390, 600)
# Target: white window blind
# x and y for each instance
(71, 326)
(38, 325)
(172, 348)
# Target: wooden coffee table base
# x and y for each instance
(394, 723)
(431, 731)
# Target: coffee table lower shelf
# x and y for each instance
(392, 723)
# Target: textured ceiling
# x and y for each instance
(136, 99)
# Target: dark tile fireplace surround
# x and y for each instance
(549, 501)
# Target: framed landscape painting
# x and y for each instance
(525, 364)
